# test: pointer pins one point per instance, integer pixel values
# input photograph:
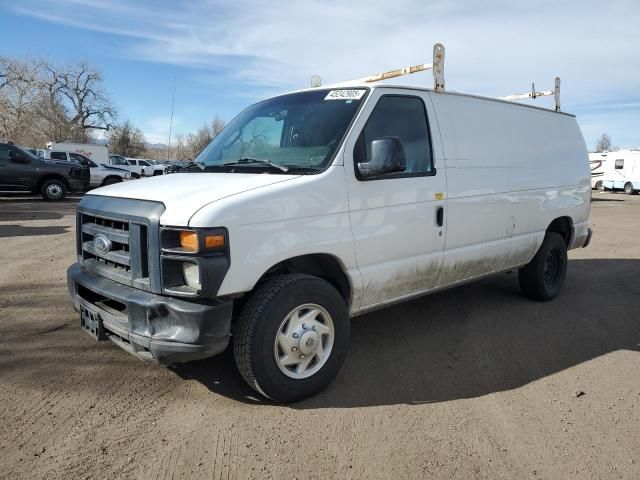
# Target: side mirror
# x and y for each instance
(387, 156)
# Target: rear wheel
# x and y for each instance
(543, 277)
(598, 185)
(628, 188)
(53, 190)
(292, 337)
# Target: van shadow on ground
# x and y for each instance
(469, 341)
(17, 207)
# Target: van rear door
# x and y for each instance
(398, 219)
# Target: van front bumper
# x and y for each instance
(150, 326)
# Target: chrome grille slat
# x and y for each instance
(119, 257)
(113, 234)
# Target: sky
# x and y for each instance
(224, 55)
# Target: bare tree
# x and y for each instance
(126, 140)
(604, 143)
(18, 95)
(79, 88)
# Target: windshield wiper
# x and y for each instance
(251, 160)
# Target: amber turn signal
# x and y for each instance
(189, 241)
(214, 241)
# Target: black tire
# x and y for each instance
(628, 189)
(259, 323)
(543, 277)
(111, 181)
(598, 185)
(53, 190)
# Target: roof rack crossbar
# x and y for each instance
(533, 94)
(437, 66)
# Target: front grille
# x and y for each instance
(127, 261)
(132, 227)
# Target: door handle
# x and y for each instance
(440, 216)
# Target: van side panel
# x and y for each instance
(511, 170)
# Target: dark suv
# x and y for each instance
(20, 170)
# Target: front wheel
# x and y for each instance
(111, 181)
(53, 190)
(543, 277)
(628, 188)
(292, 337)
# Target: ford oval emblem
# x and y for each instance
(102, 244)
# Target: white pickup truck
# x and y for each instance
(322, 204)
(101, 175)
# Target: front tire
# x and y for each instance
(543, 277)
(53, 190)
(628, 189)
(292, 337)
(111, 181)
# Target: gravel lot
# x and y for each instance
(474, 382)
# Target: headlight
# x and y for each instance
(194, 261)
(191, 273)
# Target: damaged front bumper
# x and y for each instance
(153, 327)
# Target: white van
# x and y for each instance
(96, 153)
(598, 164)
(623, 171)
(322, 204)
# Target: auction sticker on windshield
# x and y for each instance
(345, 95)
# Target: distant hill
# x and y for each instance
(156, 146)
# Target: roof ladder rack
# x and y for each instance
(437, 66)
(533, 94)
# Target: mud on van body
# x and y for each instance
(315, 206)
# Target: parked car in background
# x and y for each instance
(122, 162)
(21, 170)
(623, 171)
(101, 175)
(150, 168)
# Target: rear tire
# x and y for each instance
(628, 188)
(543, 277)
(292, 337)
(598, 185)
(53, 190)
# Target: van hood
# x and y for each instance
(183, 194)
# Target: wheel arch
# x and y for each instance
(321, 265)
(564, 227)
(106, 179)
(50, 176)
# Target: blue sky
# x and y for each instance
(226, 55)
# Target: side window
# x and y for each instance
(619, 164)
(82, 160)
(404, 117)
(131, 162)
(58, 156)
(117, 160)
(4, 153)
(143, 163)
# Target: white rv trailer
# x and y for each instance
(623, 171)
(598, 164)
(318, 205)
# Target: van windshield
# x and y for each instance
(294, 133)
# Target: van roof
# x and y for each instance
(359, 85)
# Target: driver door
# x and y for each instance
(15, 169)
(398, 219)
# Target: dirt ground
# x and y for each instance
(474, 382)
